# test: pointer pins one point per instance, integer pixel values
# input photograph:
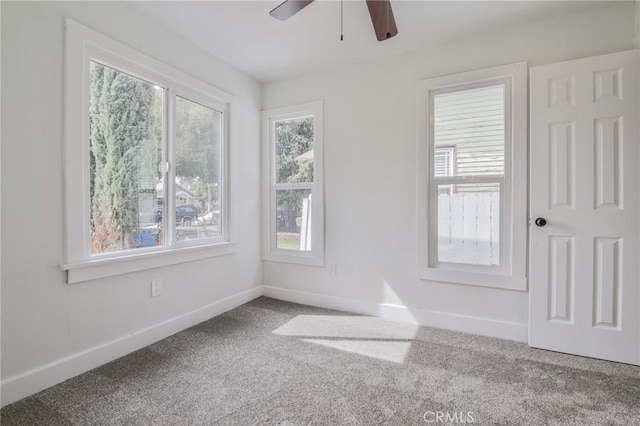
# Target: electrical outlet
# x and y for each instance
(156, 288)
(333, 269)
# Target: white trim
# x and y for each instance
(112, 266)
(30, 382)
(445, 320)
(83, 45)
(163, 74)
(512, 273)
(315, 257)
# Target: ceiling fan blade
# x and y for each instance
(382, 19)
(288, 8)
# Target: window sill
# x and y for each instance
(107, 267)
(502, 281)
(294, 259)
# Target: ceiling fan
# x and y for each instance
(380, 10)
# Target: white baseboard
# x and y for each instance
(445, 320)
(33, 381)
(30, 382)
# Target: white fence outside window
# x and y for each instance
(469, 228)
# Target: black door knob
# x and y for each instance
(541, 221)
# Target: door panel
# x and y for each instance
(560, 306)
(561, 153)
(584, 273)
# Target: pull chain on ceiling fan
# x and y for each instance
(380, 11)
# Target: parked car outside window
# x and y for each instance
(185, 213)
(209, 218)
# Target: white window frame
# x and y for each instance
(511, 274)
(83, 45)
(314, 257)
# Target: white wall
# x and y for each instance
(51, 330)
(370, 169)
(44, 320)
(636, 41)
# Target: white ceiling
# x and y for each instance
(243, 34)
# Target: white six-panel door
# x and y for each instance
(584, 263)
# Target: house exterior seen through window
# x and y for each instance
(472, 171)
(468, 209)
(443, 158)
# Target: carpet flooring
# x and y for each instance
(275, 363)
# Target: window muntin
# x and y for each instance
(470, 178)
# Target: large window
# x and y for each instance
(472, 177)
(294, 195)
(146, 160)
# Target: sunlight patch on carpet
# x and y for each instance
(338, 326)
(386, 351)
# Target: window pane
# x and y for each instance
(469, 132)
(198, 165)
(125, 128)
(294, 150)
(293, 219)
(469, 223)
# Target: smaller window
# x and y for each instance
(294, 194)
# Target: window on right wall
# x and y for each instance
(472, 171)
